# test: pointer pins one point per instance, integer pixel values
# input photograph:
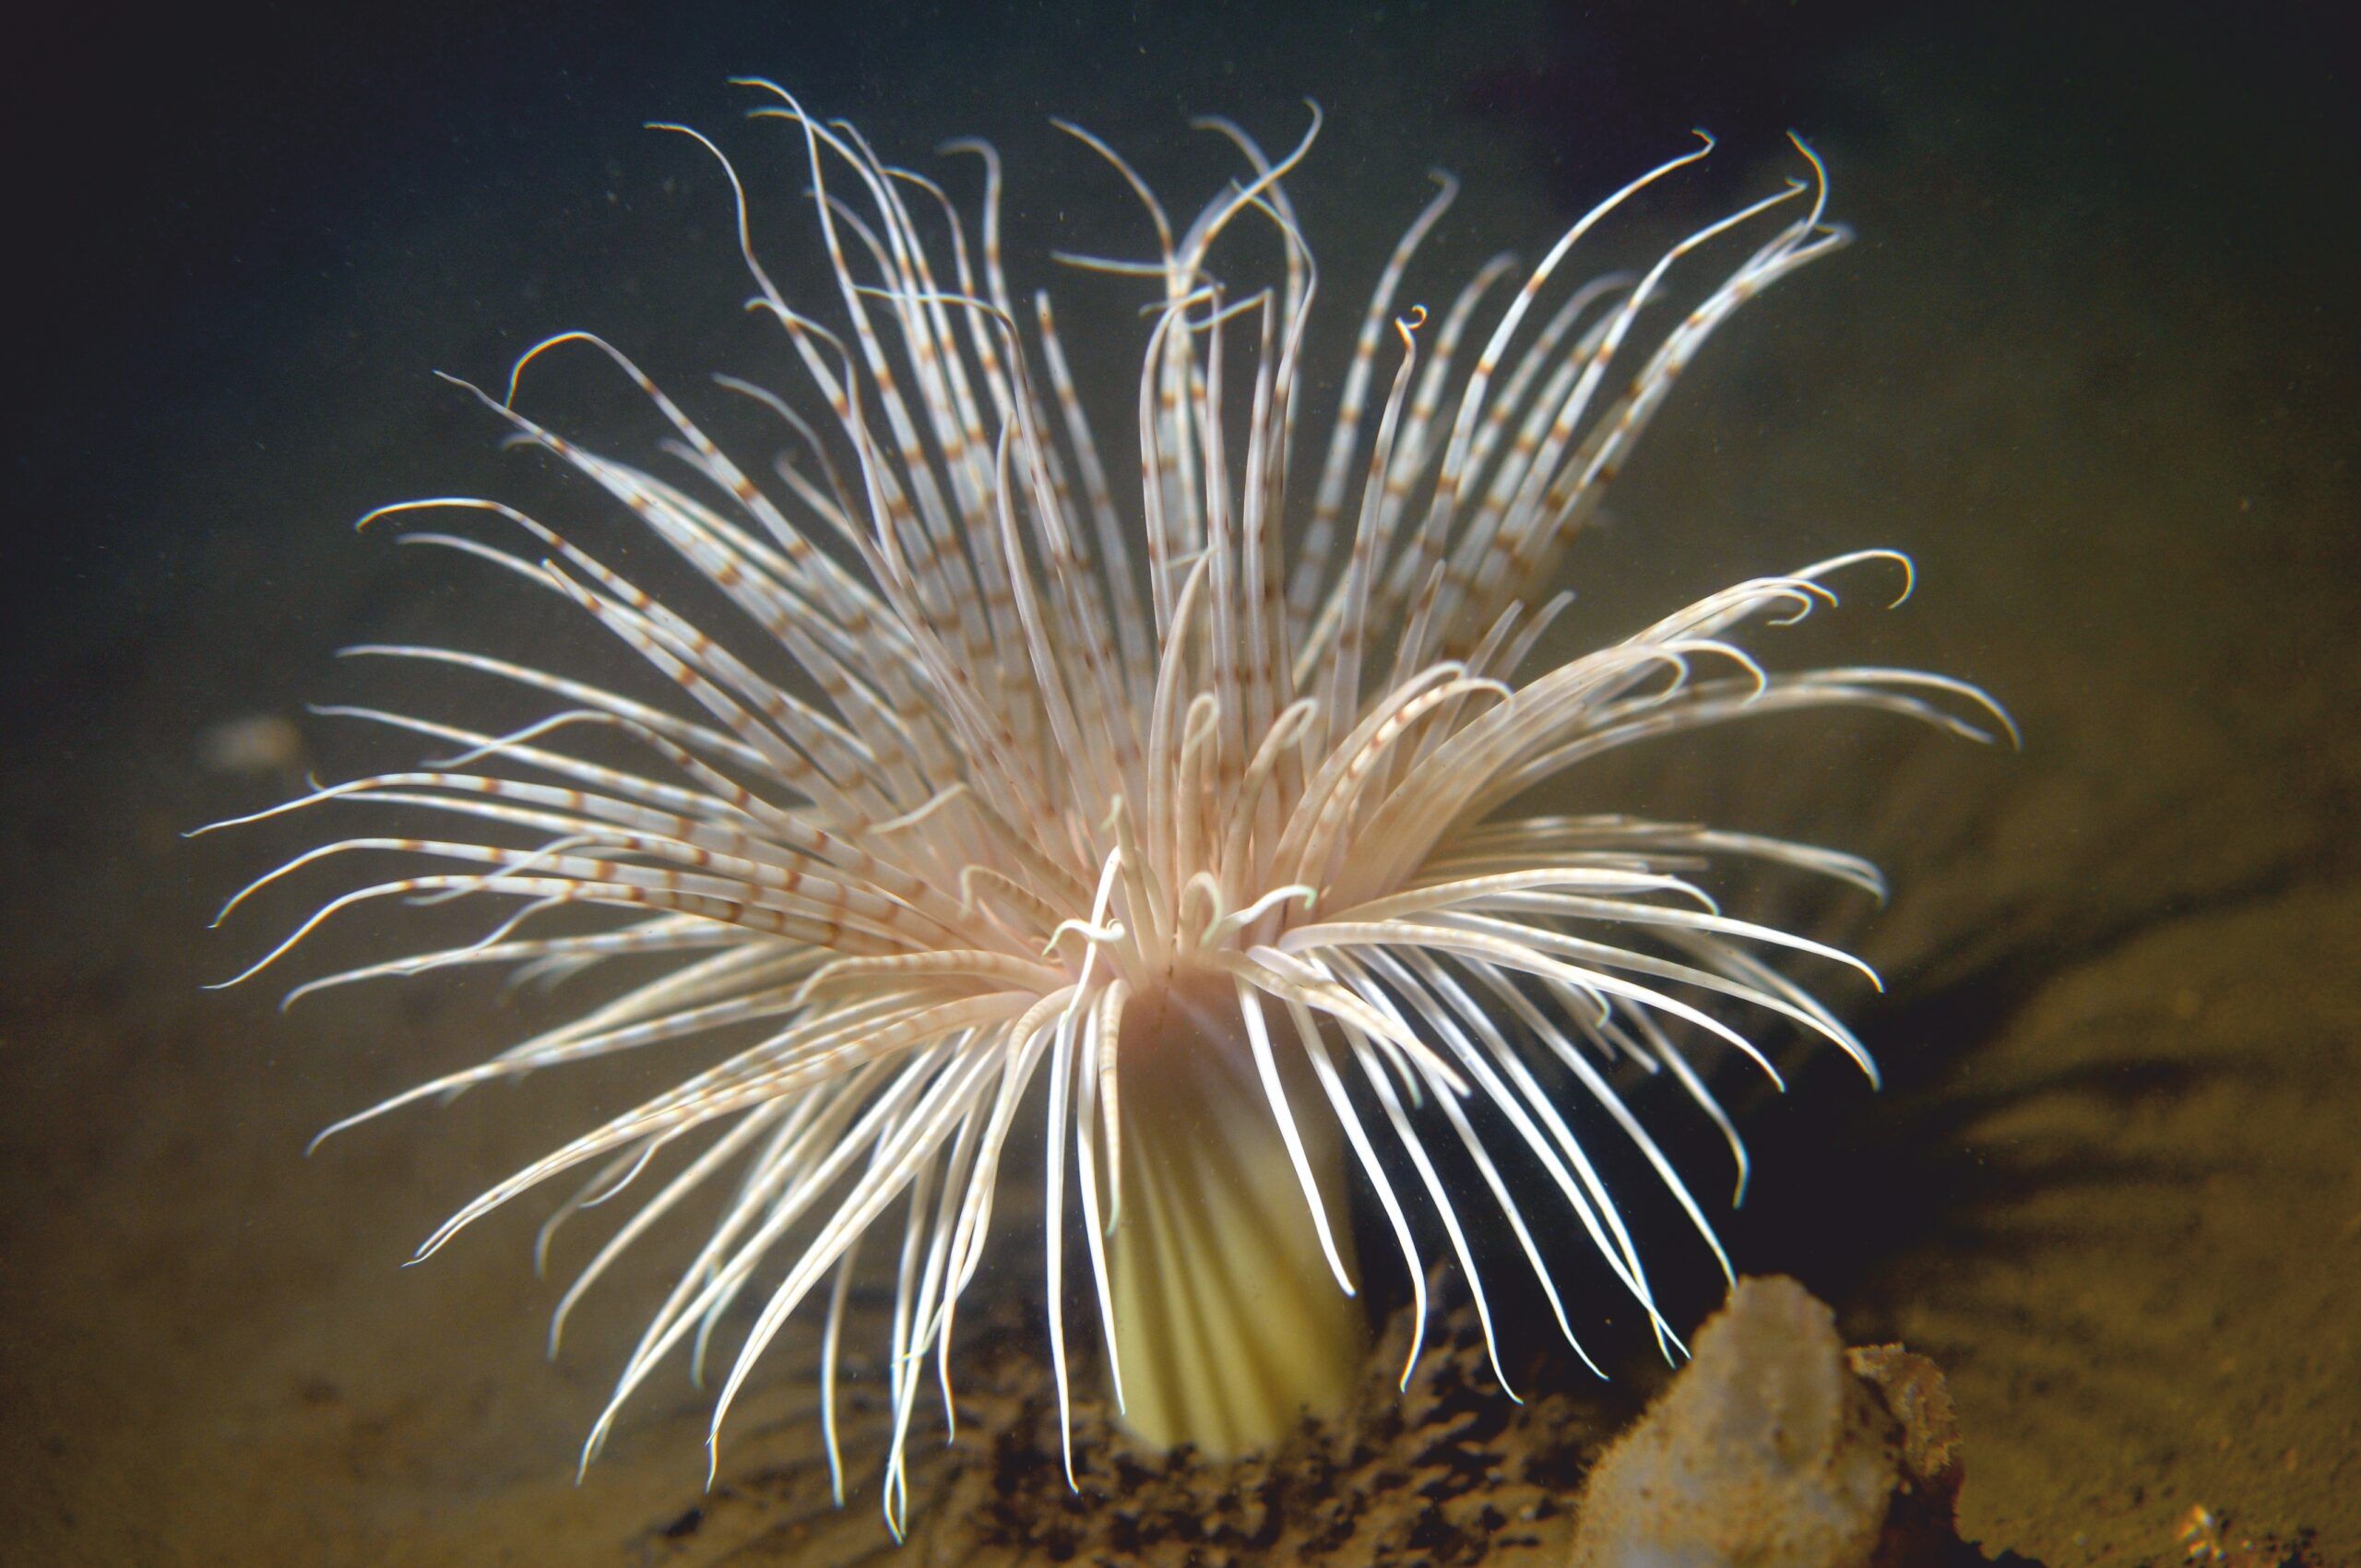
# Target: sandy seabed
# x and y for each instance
(2111, 1189)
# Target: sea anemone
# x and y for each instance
(1188, 808)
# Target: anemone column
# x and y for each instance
(1229, 1322)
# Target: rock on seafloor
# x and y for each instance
(1775, 1448)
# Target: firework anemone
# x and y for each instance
(1174, 825)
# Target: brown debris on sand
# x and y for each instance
(1449, 1472)
(1776, 1447)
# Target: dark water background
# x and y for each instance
(2093, 361)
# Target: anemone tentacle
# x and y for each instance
(1184, 807)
